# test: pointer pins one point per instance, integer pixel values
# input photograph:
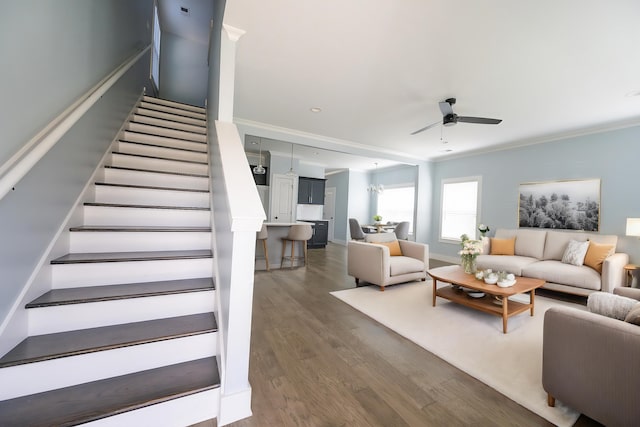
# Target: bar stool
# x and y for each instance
(262, 235)
(297, 233)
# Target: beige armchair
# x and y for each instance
(374, 264)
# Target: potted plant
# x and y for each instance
(377, 219)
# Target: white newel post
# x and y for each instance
(230, 36)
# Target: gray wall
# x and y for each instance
(52, 52)
(610, 156)
(340, 226)
(184, 73)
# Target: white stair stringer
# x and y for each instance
(148, 226)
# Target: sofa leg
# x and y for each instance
(357, 281)
(424, 279)
(381, 288)
(551, 401)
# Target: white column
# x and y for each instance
(230, 35)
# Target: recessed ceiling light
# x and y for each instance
(633, 93)
(315, 110)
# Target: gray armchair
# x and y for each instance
(374, 264)
(590, 363)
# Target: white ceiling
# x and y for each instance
(378, 68)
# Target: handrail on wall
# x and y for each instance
(14, 169)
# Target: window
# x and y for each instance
(460, 207)
(155, 55)
(397, 204)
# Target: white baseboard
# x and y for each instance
(234, 407)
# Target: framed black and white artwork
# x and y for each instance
(561, 205)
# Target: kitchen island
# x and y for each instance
(276, 231)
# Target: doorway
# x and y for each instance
(329, 210)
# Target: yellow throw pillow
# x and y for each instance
(596, 254)
(503, 246)
(394, 247)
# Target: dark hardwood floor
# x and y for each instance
(316, 361)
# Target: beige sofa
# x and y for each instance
(374, 264)
(538, 254)
(589, 363)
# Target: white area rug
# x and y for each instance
(470, 340)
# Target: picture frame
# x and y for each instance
(562, 205)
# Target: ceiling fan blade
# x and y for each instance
(479, 120)
(426, 127)
(446, 108)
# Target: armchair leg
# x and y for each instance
(551, 401)
(357, 281)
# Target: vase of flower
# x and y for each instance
(468, 254)
(469, 264)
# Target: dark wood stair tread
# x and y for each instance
(170, 159)
(183, 135)
(162, 137)
(195, 175)
(99, 399)
(88, 294)
(124, 205)
(138, 228)
(76, 258)
(171, 122)
(151, 187)
(63, 344)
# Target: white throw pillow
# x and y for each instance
(575, 252)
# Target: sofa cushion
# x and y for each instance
(530, 243)
(634, 315)
(403, 265)
(575, 252)
(502, 246)
(614, 306)
(512, 264)
(557, 243)
(380, 237)
(596, 254)
(394, 247)
(565, 274)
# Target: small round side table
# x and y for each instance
(631, 271)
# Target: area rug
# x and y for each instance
(470, 340)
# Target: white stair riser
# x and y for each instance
(102, 215)
(185, 411)
(164, 152)
(113, 273)
(150, 197)
(169, 124)
(171, 133)
(173, 104)
(165, 142)
(168, 116)
(48, 320)
(129, 241)
(120, 176)
(73, 370)
(137, 162)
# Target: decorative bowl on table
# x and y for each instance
(473, 293)
(506, 283)
(491, 279)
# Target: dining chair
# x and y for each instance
(355, 229)
(402, 230)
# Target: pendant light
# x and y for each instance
(259, 170)
(291, 172)
(372, 188)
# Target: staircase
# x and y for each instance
(127, 335)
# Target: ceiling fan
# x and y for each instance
(449, 118)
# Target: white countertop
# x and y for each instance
(284, 224)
